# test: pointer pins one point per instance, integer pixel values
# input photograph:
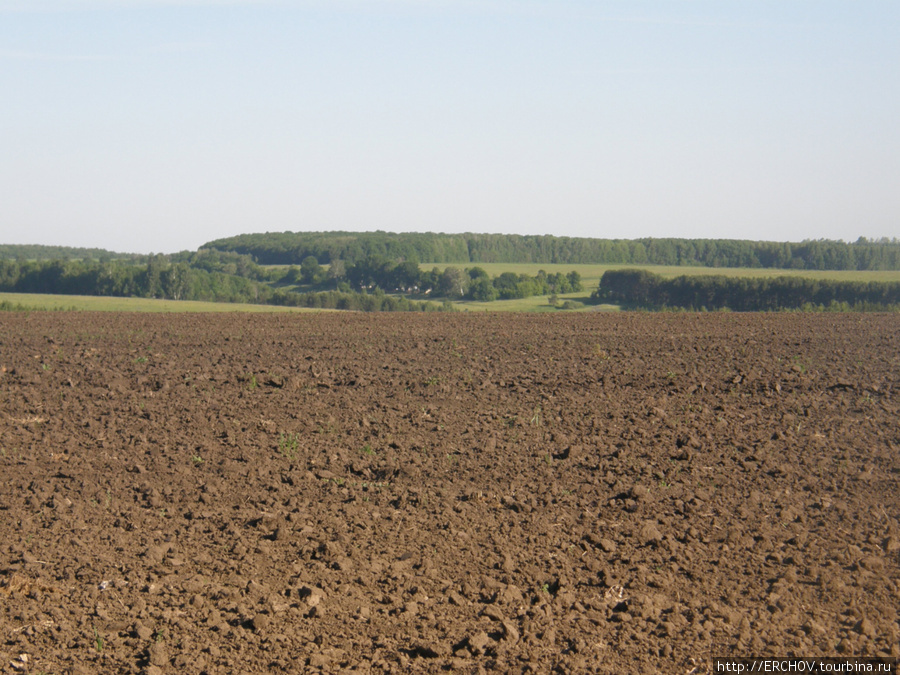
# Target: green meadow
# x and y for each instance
(590, 274)
(90, 303)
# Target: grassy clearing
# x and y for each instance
(107, 304)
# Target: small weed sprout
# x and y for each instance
(197, 459)
(253, 383)
(367, 450)
(98, 640)
(536, 417)
(287, 445)
(329, 429)
(455, 350)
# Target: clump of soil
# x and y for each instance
(357, 493)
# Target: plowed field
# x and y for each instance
(627, 493)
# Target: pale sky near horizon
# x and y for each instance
(157, 125)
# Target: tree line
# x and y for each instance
(371, 284)
(155, 276)
(41, 252)
(291, 248)
(643, 289)
(207, 276)
(376, 283)
(473, 283)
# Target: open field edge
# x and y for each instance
(39, 301)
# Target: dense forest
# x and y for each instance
(155, 276)
(38, 252)
(645, 290)
(290, 248)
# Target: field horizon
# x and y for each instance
(590, 276)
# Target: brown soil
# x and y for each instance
(423, 493)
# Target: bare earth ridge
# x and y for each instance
(627, 493)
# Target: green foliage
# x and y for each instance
(311, 271)
(290, 248)
(453, 283)
(641, 288)
(574, 279)
(374, 271)
(98, 640)
(288, 445)
(154, 277)
(507, 285)
(39, 252)
(7, 306)
(158, 277)
(225, 262)
(481, 289)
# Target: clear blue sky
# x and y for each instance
(157, 125)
